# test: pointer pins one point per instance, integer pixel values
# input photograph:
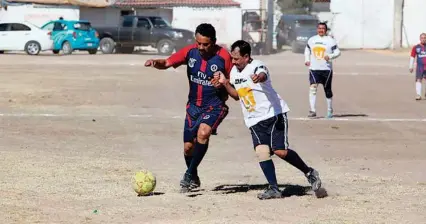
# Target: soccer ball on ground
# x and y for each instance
(143, 182)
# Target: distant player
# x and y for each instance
(206, 106)
(265, 114)
(419, 51)
(319, 52)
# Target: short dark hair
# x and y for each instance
(206, 30)
(243, 46)
(323, 24)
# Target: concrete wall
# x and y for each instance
(414, 21)
(227, 21)
(39, 14)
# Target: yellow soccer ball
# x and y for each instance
(143, 182)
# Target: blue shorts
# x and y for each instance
(420, 73)
(272, 132)
(210, 115)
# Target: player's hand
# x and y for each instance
(327, 58)
(150, 63)
(308, 63)
(215, 81)
(255, 78)
(411, 70)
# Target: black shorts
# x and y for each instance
(272, 132)
(324, 77)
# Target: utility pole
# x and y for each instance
(270, 33)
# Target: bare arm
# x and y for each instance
(161, 64)
(231, 90)
(220, 79)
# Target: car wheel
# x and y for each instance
(32, 48)
(66, 48)
(55, 51)
(93, 51)
(1, 52)
(107, 45)
(165, 47)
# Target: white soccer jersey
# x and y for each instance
(259, 101)
(317, 48)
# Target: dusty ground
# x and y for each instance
(76, 128)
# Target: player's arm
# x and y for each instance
(225, 82)
(308, 54)
(412, 58)
(175, 60)
(335, 51)
(260, 74)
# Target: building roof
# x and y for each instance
(174, 3)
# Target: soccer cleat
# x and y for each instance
(270, 193)
(418, 97)
(330, 114)
(195, 182)
(185, 183)
(312, 114)
(314, 179)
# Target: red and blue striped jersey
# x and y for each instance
(419, 51)
(199, 71)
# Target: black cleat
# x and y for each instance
(314, 179)
(195, 182)
(185, 183)
(271, 192)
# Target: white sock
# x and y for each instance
(419, 88)
(312, 98)
(329, 104)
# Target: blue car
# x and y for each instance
(72, 35)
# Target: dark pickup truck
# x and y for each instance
(151, 31)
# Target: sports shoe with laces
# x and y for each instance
(314, 179)
(270, 193)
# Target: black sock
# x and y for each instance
(188, 160)
(268, 169)
(198, 154)
(294, 159)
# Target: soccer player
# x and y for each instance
(206, 107)
(319, 52)
(265, 114)
(419, 51)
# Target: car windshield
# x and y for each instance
(82, 26)
(159, 22)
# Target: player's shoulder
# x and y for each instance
(189, 48)
(257, 63)
(223, 53)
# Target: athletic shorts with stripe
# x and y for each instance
(195, 115)
(272, 132)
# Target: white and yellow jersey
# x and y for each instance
(259, 101)
(317, 48)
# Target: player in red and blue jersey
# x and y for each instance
(419, 51)
(206, 107)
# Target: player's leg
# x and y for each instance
(280, 147)
(313, 81)
(419, 76)
(208, 121)
(328, 77)
(424, 79)
(260, 134)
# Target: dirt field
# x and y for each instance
(75, 129)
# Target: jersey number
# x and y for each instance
(319, 52)
(247, 97)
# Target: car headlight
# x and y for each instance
(177, 35)
(301, 38)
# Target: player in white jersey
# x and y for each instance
(319, 53)
(265, 114)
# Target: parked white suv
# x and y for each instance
(24, 36)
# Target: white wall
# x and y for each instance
(249, 4)
(363, 23)
(100, 17)
(227, 21)
(39, 14)
(414, 21)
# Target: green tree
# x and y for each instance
(294, 6)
